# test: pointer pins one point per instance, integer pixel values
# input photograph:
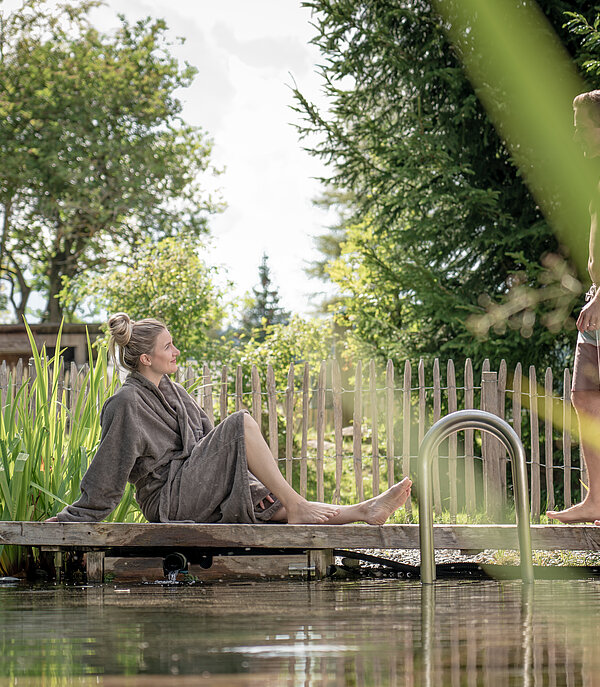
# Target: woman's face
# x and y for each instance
(163, 359)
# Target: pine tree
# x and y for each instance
(263, 309)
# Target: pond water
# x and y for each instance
(301, 634)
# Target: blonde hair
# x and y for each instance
(133, 339)
(590, 102)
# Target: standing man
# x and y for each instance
(586, 370)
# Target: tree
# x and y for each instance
(166, 280)
(263, 309)
(95, 155)
(440, 220)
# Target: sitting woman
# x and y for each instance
(155, 436)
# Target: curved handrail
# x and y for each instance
(492, 424)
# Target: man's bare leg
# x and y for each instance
(587, 405)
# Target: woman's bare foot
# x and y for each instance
(582, 512)
(310, 512)
(379, 508)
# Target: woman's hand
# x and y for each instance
(268, 498)
(52, 519)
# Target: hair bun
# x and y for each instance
(121, 327)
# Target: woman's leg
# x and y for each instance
(297, 509)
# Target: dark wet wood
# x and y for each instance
(105, 535)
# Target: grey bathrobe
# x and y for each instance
(182, 468)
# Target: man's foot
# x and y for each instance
(379, 508)
(582, 512)
(310, 512)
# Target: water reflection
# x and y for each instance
(382, 632)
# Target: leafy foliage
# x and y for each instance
(439, 220)
(167, 280)
(95, 154)
(299, 341)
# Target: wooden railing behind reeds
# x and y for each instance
(341, 441)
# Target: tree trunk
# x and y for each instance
(56, 270)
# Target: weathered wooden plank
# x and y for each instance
(535, 446)
(357, 432)
(289, 424)
(223, 395)
(338, 420)
(452, 442)
(305, 416)
(321, 431)
(105, 535)
(374, 427)
(470, 493)
(566, 438)
(272, 411)
(207, 393)
(389, 421)
(548, 439)
(256, 395)
(437, 414)
(406, 426)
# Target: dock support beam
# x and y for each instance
(321, 559)
(94, 566)
(486, 422)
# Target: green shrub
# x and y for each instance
(45, 448)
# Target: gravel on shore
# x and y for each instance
(488, 556)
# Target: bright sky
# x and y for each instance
(247, 54)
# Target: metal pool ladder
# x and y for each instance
(442, 429)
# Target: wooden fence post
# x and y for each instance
(452, 443)
(272, 410)
(374, 427)
(321, 432)
(336, 382)
(239, 388)
(357, 432)
(437, 414)
(223, 394)
(535, 446)
(406, 427)
(389, 421)
(207, 394)
(305, 414)
(289, 424)
(502, 375)
(491, 449)
(470, 491)
(566, 438)
(548, 439)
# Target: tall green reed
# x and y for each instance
(46, 447)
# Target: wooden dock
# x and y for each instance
(100, 540)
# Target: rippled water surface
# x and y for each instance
(380, 632)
